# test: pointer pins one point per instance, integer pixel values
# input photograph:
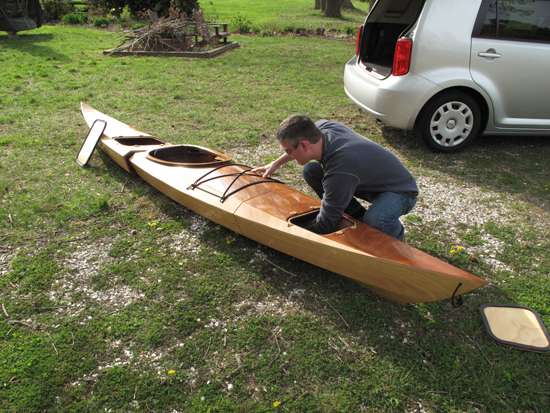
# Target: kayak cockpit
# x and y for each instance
(187, 155)
(138, 140)
(305, 220)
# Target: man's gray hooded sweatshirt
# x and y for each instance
(355, 166)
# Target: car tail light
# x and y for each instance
(358, 41)
(402, 57)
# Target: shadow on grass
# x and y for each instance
(444, 351)
(29, 43)
(510, 164)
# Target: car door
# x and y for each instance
(510, 60)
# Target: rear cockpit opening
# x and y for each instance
(138, 140)
(187, 155)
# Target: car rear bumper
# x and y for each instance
(395, 101)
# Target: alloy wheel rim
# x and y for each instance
(451, 124)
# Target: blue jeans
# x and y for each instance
(384, 211)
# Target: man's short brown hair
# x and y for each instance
(296, 128)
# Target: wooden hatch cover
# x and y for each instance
(516, 326)
(87, 148)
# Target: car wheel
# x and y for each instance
(450, 121)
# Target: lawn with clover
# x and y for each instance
(114, 298)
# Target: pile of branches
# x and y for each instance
(176, 32)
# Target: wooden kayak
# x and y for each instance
(272, 213)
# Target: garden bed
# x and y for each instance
(209, 53)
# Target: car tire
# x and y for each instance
(449, 121)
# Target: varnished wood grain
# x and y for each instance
(262, 212)
(516, 325)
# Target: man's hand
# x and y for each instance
(266, 170)
(269, 169)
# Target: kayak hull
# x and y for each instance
(269, 212)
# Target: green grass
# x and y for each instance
(108, 285)
(282, 15)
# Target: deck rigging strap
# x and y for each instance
(226, 194)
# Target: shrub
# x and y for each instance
(75, 18)
(241, 24)
(138, 25)
(288, 29)
(102, 21)
(125, 17)
(56, 9)
(116, 7)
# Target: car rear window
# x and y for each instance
(515, 20)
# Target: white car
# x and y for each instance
(452, 70)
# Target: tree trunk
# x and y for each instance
(347, 4)
(317, 4)
(333, 8)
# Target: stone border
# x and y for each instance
(207, 54)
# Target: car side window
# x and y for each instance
(489, 24)
(523, 20)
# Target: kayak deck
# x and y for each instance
(272, 213)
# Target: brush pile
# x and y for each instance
(176, 32)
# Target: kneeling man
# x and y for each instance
(341, 165)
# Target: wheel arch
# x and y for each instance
(483, 104)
